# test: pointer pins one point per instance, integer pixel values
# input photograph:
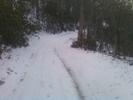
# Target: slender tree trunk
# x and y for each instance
(89, 22)
(62, 16)
(37, 9)
(81, 23)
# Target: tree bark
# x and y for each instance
(37, 9)
(81, 23)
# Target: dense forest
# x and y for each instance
(103, 25)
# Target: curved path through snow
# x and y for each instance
(43, 75)
(49, 69)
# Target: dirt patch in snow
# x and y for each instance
(73, 77)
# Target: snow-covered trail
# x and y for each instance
(43, 76)
(51, 70)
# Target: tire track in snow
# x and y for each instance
(72, 76)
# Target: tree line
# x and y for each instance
(104, 25)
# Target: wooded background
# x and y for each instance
(104, 25)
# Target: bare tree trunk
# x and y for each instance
(37, 9)
(62, 16)
(81, 23)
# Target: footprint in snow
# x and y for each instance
(116, 97)
(14, 90)
(21, 80)
(1, 82)
(48, 95)
(8, 73)
(10, 70)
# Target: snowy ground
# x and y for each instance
(49, 69)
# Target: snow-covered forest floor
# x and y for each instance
(49, 69)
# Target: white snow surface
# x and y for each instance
(49, 69)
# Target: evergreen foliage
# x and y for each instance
(14, 25)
